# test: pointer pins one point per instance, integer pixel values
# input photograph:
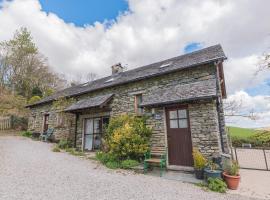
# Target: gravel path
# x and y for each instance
(30, 170)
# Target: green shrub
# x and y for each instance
(26, 134)
(260, 139)
(56, 149)
(74, 152)
(216, 185)
(128, 164)
(64, 144)
(105, 157)
(231, 167)
(199, 160)
(127, 137)
(112, 164)
(34, 99)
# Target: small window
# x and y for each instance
(138, 101)
(178, 118)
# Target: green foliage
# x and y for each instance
(105, 157)
(216, 185)
(127, 137)
(110, 161)
(74, 152)
(241, 132)
(34, 99)
(128, 164)
(62, 102)
(231, 167)
(259, 139)
(56, 149)
(36, 92)
(112, 164)
(26, 134)
(212, 166)
(23, 69)
(11, 104)
(64, 144)
(48, 92)
(199, 160)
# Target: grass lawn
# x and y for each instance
(241, 132)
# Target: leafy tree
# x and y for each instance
(23, 68)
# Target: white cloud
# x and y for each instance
(152, 30)
(258, 106)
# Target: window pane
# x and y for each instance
(97, 125)
(89, 126)
(182, 113)
(88, 142)
(139, 99)
(173, 123)
(183, 123)
(97, 141)
(173, 114)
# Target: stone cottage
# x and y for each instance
(182, 97)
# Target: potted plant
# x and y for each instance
(199, 163)
(231, 175)
(212, 170)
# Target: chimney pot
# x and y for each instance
(117, 68)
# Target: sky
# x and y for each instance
(81, 37)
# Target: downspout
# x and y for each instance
(218, 105)
(76, 128)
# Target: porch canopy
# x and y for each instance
(198, 90)
(98, 101)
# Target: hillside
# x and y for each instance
(241, 132)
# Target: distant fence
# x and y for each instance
(5, 123)
(13, 122)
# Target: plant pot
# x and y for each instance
(199, 173)
(212, 173)
(231, 181)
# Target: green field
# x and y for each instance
(241, 132)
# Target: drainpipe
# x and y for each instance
(218, 105)
(76, 127)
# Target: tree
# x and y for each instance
(23, 68)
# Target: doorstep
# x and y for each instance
(182, 176)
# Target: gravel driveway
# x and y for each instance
(30, 170)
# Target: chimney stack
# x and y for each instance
(117, 68)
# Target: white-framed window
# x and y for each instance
(138, 101)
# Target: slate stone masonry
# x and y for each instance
(203, 114)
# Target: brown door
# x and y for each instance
(179, 137)
(46, 122)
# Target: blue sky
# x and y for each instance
(81, 12)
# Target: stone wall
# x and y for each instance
(62, 123)
(204, 127)
(203, 116)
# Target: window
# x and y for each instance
(138, 101)
(178, 118)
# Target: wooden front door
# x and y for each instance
(179, 137)
(46, 122)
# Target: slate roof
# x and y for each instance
(180, 93)
(196, 58)
(90, 102)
